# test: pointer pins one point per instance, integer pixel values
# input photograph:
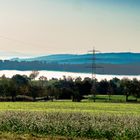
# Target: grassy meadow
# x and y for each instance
(68, 106)
(69, 120)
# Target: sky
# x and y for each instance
(40, 27)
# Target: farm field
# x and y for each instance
(69, 120)
(68, 106)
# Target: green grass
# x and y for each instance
(67, 106)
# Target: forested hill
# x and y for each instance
(103, 58)
(112, 63)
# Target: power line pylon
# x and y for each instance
(93, 71)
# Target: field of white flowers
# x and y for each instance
(71, 124)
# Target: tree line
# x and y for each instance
(116, 69)
(26, 88)
(42, 65)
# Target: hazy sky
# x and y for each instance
(38, 27)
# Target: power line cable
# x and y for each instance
(19, 41)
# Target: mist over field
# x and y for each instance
(58, 75)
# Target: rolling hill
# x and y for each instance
(102, 58)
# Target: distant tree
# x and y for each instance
(115, 85)
(35, 91)
(110, 91)
(33, 75)
(103, 87)
(66, 87)
(51, 92)
(86, 86)
(4, 86)
(19, 85)
(126, 85)
(42, 80)
(13, 90)
(135, 88)
(77, 90)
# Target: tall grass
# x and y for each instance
(72, 124)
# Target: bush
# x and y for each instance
(23, 98)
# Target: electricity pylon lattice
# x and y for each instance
(93, 72)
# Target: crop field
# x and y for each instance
(65, 119)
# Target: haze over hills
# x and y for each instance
(103, 58)
(113, 63)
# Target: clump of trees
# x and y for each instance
(26, 88)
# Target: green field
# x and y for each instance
(65, 119)
(113, 98)
(67, 106)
